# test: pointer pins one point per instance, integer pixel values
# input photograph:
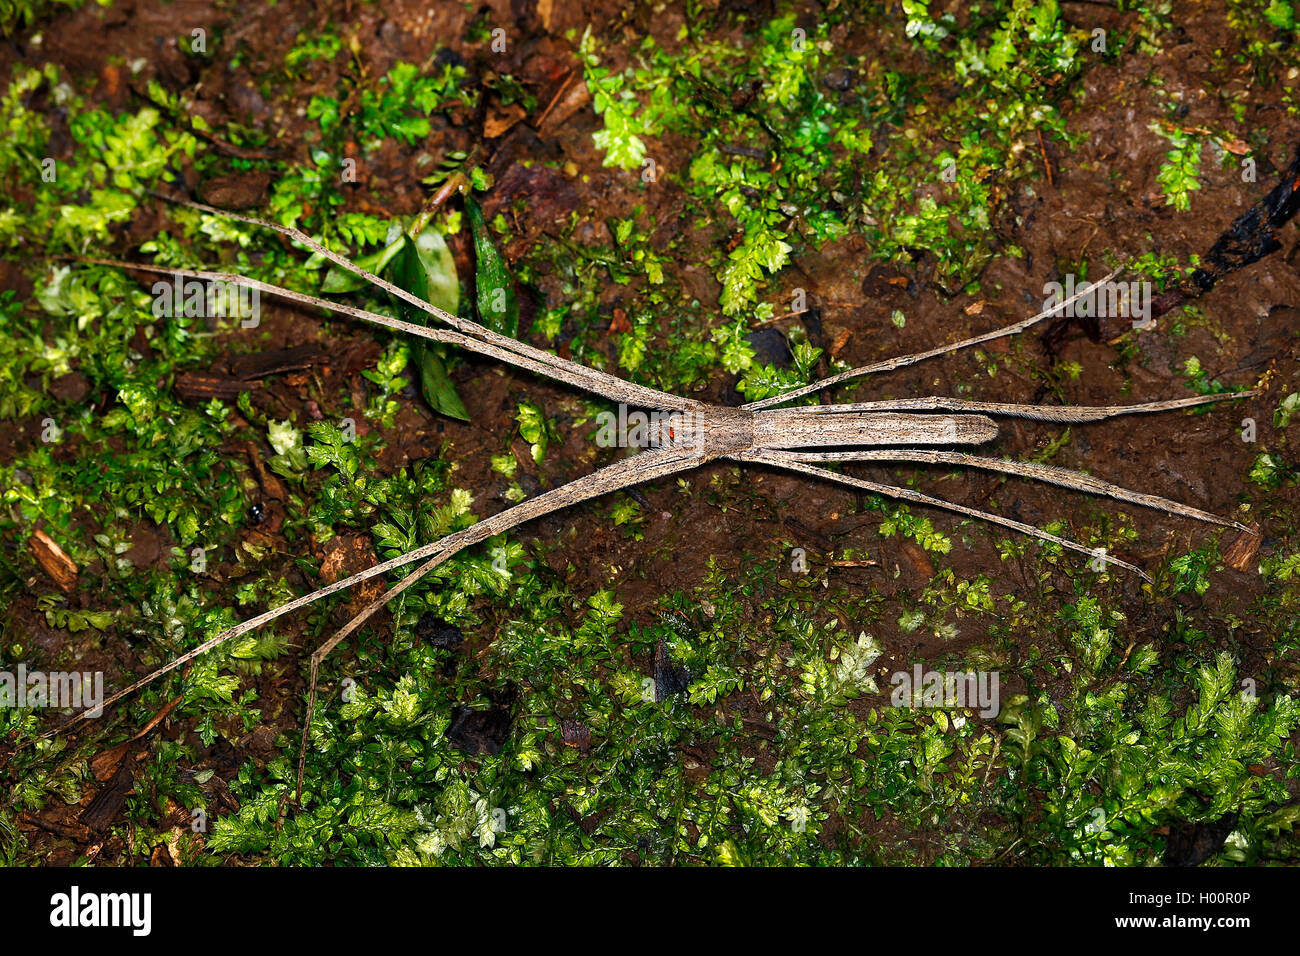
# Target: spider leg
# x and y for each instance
(1064, 477)
(1042, 413)
(563, 373)
(891, 364)
(622, 474)
(648, 465)
(790, 463)
(614, 387)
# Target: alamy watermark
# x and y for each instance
(976, 690)
(1125, 300)
(74, 909)
(57, 689)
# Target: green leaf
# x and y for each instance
(1281, 14)
(493, 285)
(428, 260)
(188, 525)
(339, 279)
(436, 385)
(425, 268)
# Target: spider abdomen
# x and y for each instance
(792, 428)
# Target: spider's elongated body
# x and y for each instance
(715, 431)
(795, 439)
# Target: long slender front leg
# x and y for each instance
(571, 373)
(646, 466)
(781, 460)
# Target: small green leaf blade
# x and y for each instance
(493, 285)
(338, 279)
(436, 385)
(425, 268)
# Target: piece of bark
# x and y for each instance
(54, 561)
(258, 365)
(348, 554)
(917, 558)
(161, 856)
(272, 487)
(105, 764)
(501, 120)
(670, 677)
(200, 385)
(108, 803)
(1241, 551)
(241, 191)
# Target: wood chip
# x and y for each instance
(348, 554)
(54, 560)
(841, 339)
(620, 323)
(546, 13)
(1235, 146)
(272, 487)
(240, 191)
(105, 764)
(1241, 552)
(917, 558)
(502, 120)
(161, 856)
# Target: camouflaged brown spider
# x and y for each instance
(760, 433)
